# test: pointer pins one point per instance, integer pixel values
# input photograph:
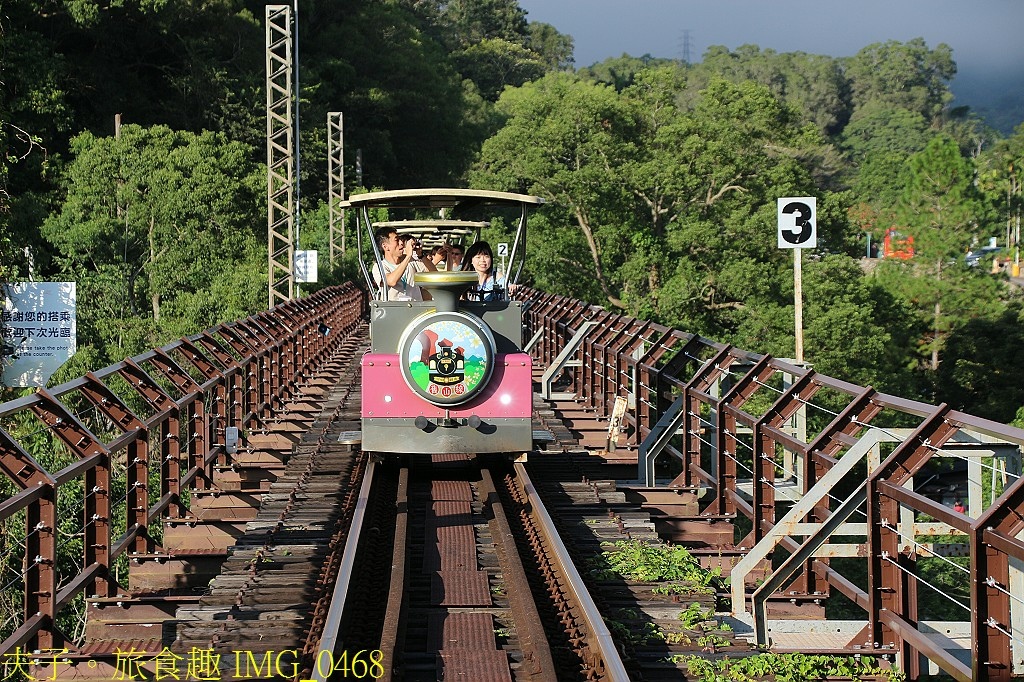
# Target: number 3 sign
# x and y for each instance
(798, 223)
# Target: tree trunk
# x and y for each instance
(654, 282)
(154, 296)
(584, 224)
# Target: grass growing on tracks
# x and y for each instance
(786, 668)
(644, 562)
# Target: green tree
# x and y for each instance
(560, 137)
(980, 374)
(620, 72)
(675, 207)
(726, 162)
(853, 328)
(879, 140)
(404, 102)
(902, 75)
(555, 49)
(7, 269)
(189, 65)
(494, 63)
(1001, 179)
(162, 232)
(941, 208)
(472, 21)
(813, 85)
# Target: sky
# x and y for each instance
(987, 36)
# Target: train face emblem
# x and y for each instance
(446, 367)
(447, 357)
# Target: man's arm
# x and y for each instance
(395, 276)
(429, 264)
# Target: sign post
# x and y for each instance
(798, 230)
(306, 266)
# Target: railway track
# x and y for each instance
(485, 583)
(479, 589)
(481, 584)
(459, 602)
(274, 590)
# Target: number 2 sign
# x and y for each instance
(798, 223)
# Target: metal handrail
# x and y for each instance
(151, 430)
(719, 425)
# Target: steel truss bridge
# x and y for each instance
(819, 473)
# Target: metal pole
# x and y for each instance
(280, 156)
(798, 296)
(336, 182)
(298, 139)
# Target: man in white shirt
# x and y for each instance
(399, 261)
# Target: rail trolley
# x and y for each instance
(444, 375)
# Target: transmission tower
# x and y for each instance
(336, 182)
(280, 157)
(686, 45)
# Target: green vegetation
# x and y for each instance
(661, 179)
(644, 562)
(661, 176)
(693, 615)
(668, 178)
(785, 668)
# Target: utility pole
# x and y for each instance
(686, 45)
(297, 206)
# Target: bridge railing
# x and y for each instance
(808, 459)
(92, 467)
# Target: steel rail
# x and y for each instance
(600, 638)
(332, 626)
(533, 642)
(399, 572)
(524, 611)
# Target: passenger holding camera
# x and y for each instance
(400, 263)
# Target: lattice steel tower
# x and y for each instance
(336, 183)
(686, 45)
(280, 157)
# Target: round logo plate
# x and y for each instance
(446, 357)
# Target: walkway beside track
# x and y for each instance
(270, 582)
(274, 588)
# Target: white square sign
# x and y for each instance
(39, 331)
(798, 223)
(306, 269)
